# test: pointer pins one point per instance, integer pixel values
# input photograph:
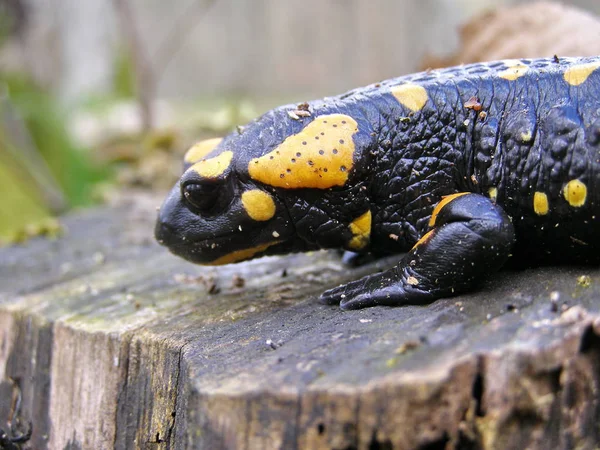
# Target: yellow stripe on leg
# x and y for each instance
(438, 208)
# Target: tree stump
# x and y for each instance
(108, 341)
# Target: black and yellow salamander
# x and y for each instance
(465, 168)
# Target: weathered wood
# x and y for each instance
(114, 343)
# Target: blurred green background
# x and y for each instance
(100, 98)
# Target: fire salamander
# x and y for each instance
(465, 168)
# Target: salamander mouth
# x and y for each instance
(232, 246)
(207, 248)
(212, 243)
(230, 236)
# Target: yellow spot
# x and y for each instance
(424, 239)
(361, 231)
(241, 255)
(258, 204)
(540, 203)
(438, 208)
(493, 193)
(575, 193)
(213, 167)
(412, 96)
(200, 150)
(526, 137)
(515, 70)
(578, 74)
(320, 156)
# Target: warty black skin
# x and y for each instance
(470, 136)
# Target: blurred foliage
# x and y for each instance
(23, 212)
(42, 171)
(47, 126)
(13, 17)
(122, 89)
(124, 79)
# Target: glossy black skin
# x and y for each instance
(405, 162)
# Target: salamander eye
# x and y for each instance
(201, 196)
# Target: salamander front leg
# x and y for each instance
(470, 238)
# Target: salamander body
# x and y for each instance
(461, 167)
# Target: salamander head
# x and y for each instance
(216, 214)
(229, 204)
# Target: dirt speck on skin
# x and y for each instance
(473, 103)
(412, 281)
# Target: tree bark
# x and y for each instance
(111, 342)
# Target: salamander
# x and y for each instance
(460, 171)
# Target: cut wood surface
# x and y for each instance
(111, 342)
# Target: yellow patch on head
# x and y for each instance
(438, 208)
(411, 96)
(213, 167)
(241, 255)
(516, 69)
(575, 193)
(200, 149)
(540, 203)
(576, 75)
(320, 156)
(258, 204)
(361, 231)
(493, 193)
